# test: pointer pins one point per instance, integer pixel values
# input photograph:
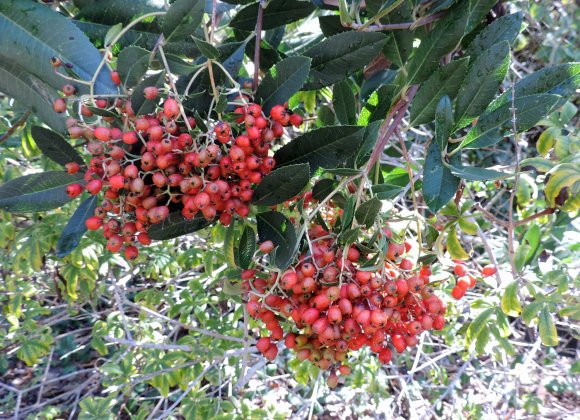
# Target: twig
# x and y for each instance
(395, 26)
(259, 21)
(45, 375)
(14, 127)
(156, 346)
(510, 228)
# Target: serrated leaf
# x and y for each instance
(183, 18)
(537, 164)
(141, 105)
(439, 184)
(246, 247)
(206, 49)
(282, 81)
(400, 43)
(443, 122)
(478, 325)
(54, 146)
(75, 228)
(37, 192)
(337, 57)
(370, 138)
(367, 212)
(326, 147)
(565, 175)
(444, 82)
(547, 328)
(442, 40)
(481, 83)
(454, 246)
(281, 185)
(275, 227)
(323, 188)
(132, 64)
(477, 10)
(343, 103)
(348, 213)
(31, 93)
(510, 303)
(112, 33)
(471, 173)
(33, 33)
(228, 245)
(506, 28)
(176, 225)
(278, 13)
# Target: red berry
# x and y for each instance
(115, 78)
(151, 92)
(74, 190)
(59, 105)
(170, 108)
(266, 247)
(94, 223)
(489, 270)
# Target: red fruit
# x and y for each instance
(459, 270)
(72, 167)
(277, 112)
(332, 380)
(170, 108)
(94, 186)
(93, 223)
(438, 322)
(489, 270)
(266, 247)
(353, 253)
(310, 315)
(457, 292)
(151, 92)
(406, 264)
(463, 283)
(74, 190)
(117, 182)
(296, 120)
(114, 243)
(263, 344)
(115, 78)
(131, 252)
(59, 105)
(385, 355)
(144, 238)
(334, 315)
(68, 90)
(102, 133)
(271, 353)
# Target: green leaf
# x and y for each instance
(547, 328)
(348, 214)
(33, 33)
(337, 57)
(278, 13)
(481, 83)
(471, 173)
(343, 103)
(323, 188)
(32, 349)
(369, 140)
(368, 211)
(442, 40)
(229, 244)
(207, 49)
(444, 82)
(400, 43)
(562, 176)
(531, 311)
(571, 312)
(547, 139)
(121, 12)
(141, 105)
(275, 227)
(443, 122)
(37, 192)
(387, 191)
(561, 80)
(281, 185)
(492, 125)
(282, 81)
(532, 239)
(454, 247)
(132, 64)
(31, 93)
(247, 247)
(503, 342)
(478, 325)
(183, 18)
(506, 28)
(75, 228)
(326, 147)
(176, 225)
(478, 9)
(54, 146)
(439, 184)
(520, 256)
(468, 225)
(510, 303)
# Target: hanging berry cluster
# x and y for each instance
(161, 163)
(335, 305)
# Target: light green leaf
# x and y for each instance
(510, 303)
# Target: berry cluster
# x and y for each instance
(335, 305)
(148, 166)
(467, 280)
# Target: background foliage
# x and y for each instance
(84, 333)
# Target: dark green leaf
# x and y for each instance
(443, 122)
(275, 227)
(442, 40)
(246, 248)
(478, 325)
(506, 28)
(31, 93)
(439, 184)
(377, 80)
(445, 82)
(343, 171)
(369, 140)
(282, 81)
(141, 105)
(323, 188)
(478, 9)
(228, 246)
(547, 328)
(54, 146)
(120, 12)
(348, 214)
(387, 191)
(375, 6)
(343, 103)
(531, 311)
(532, 239)
(37, 192)
(339, 56)
(281, 185)
(400, 43)
(207, 49)
(492, 125)
(132, 64)
(471, 173)
(481, 83)
(368, 211)
(176, 225)
(183, 18)
(278, 13)
(326, 147)
(33, 33)
(331, 25)
(75, 228)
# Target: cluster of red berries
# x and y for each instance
(336, 305)
(467, 280)
(160, 163)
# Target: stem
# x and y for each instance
(381, 14)
(259, 22)
(14, 127)
(395, 26)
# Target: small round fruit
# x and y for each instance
(74, 190)
(266, 247)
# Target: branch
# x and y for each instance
(396, 26)
(259, 22)
(14, 127)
